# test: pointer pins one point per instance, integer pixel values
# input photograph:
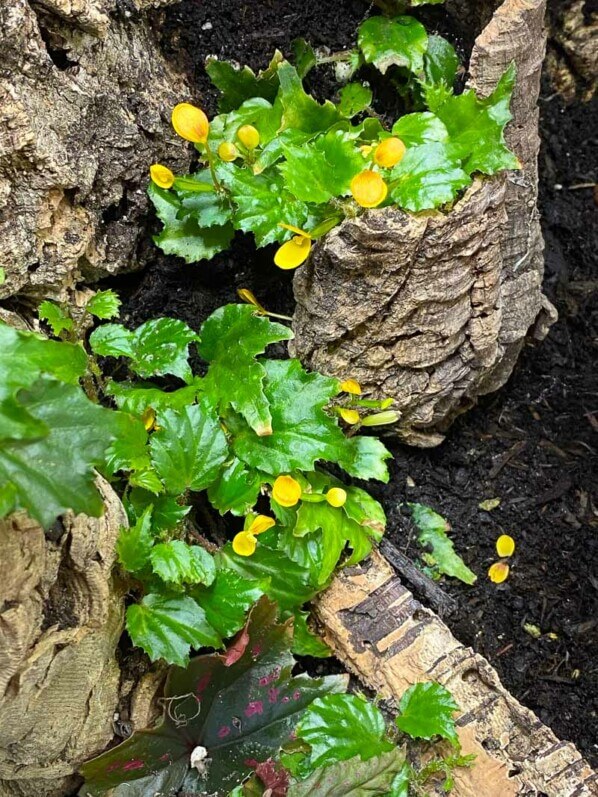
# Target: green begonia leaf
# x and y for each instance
(274, 150)
(157, 347)
(167, 512)
(184, 236)
(47, 483)
(354, 98)
(175, 562)
(55, 317)
(401, 41)
(428, 176)
(134, 545)
(302, 431)
(104, 305)
(321, 169)
(239, 84)
(300, 110)
(476, 127)
(227, 601)
(236, 489)
(440, 62)
(240, 706)
(433, 529)
(339, 727)
(289, 584)
(257, 111)
(305, 642)
(262, 204)
(230, 340)
(168, 626)
(129, 451)
(208, 208)
(353, 778)
(419, 128)
(303, 56)
(188, 448)
(136, 398)
(427, 710)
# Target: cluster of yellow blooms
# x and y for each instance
(287, 492)
(499, 571)
(368, 188)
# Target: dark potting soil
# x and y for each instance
(533, 444)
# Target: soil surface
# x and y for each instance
(533, 445)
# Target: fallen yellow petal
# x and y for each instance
(190, 123)
(260, 524)
(498, 572)
(293, 253)
(349, 416)
(286, 491)
(505, 545)
(368, 189)
(389, 152)
(161, 175)
(336, 496)
(351, 386)
(244, 543)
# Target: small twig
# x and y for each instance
(421, 586)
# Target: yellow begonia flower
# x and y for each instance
(505, 545)
(351, 386)
(161, 175)
(389, 152)
(286, 491)
(227, 152)
(349, 416)
(293, 252)
(248, 136)
(368, 189)
(498, 572)
(244, 543)
(336, 496)
(260, 524)
(190, 123)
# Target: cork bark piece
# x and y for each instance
(84, 102)
(390, 642)
(433, 309)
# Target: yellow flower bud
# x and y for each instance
(161, 175)
(349, 416)
(381, 418)
(368, 189)
(293, 253)
(228, 152)
(498, 572)
(244, 543)
(366, 150)
(505, 545)
(260, 524)
(351, 386)
(336, 496)
(389, 152)
(190, 123)
(148, 418)
(248, 136)
(286, 491)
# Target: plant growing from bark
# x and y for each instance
(287, 168)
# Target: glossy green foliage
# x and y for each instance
(240, 706)
(433, 534)
(300, 173)
(426, 710)
(353, 778)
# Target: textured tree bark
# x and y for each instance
(433, 309)
(390, 642)
(61, 617)
(84, 100)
